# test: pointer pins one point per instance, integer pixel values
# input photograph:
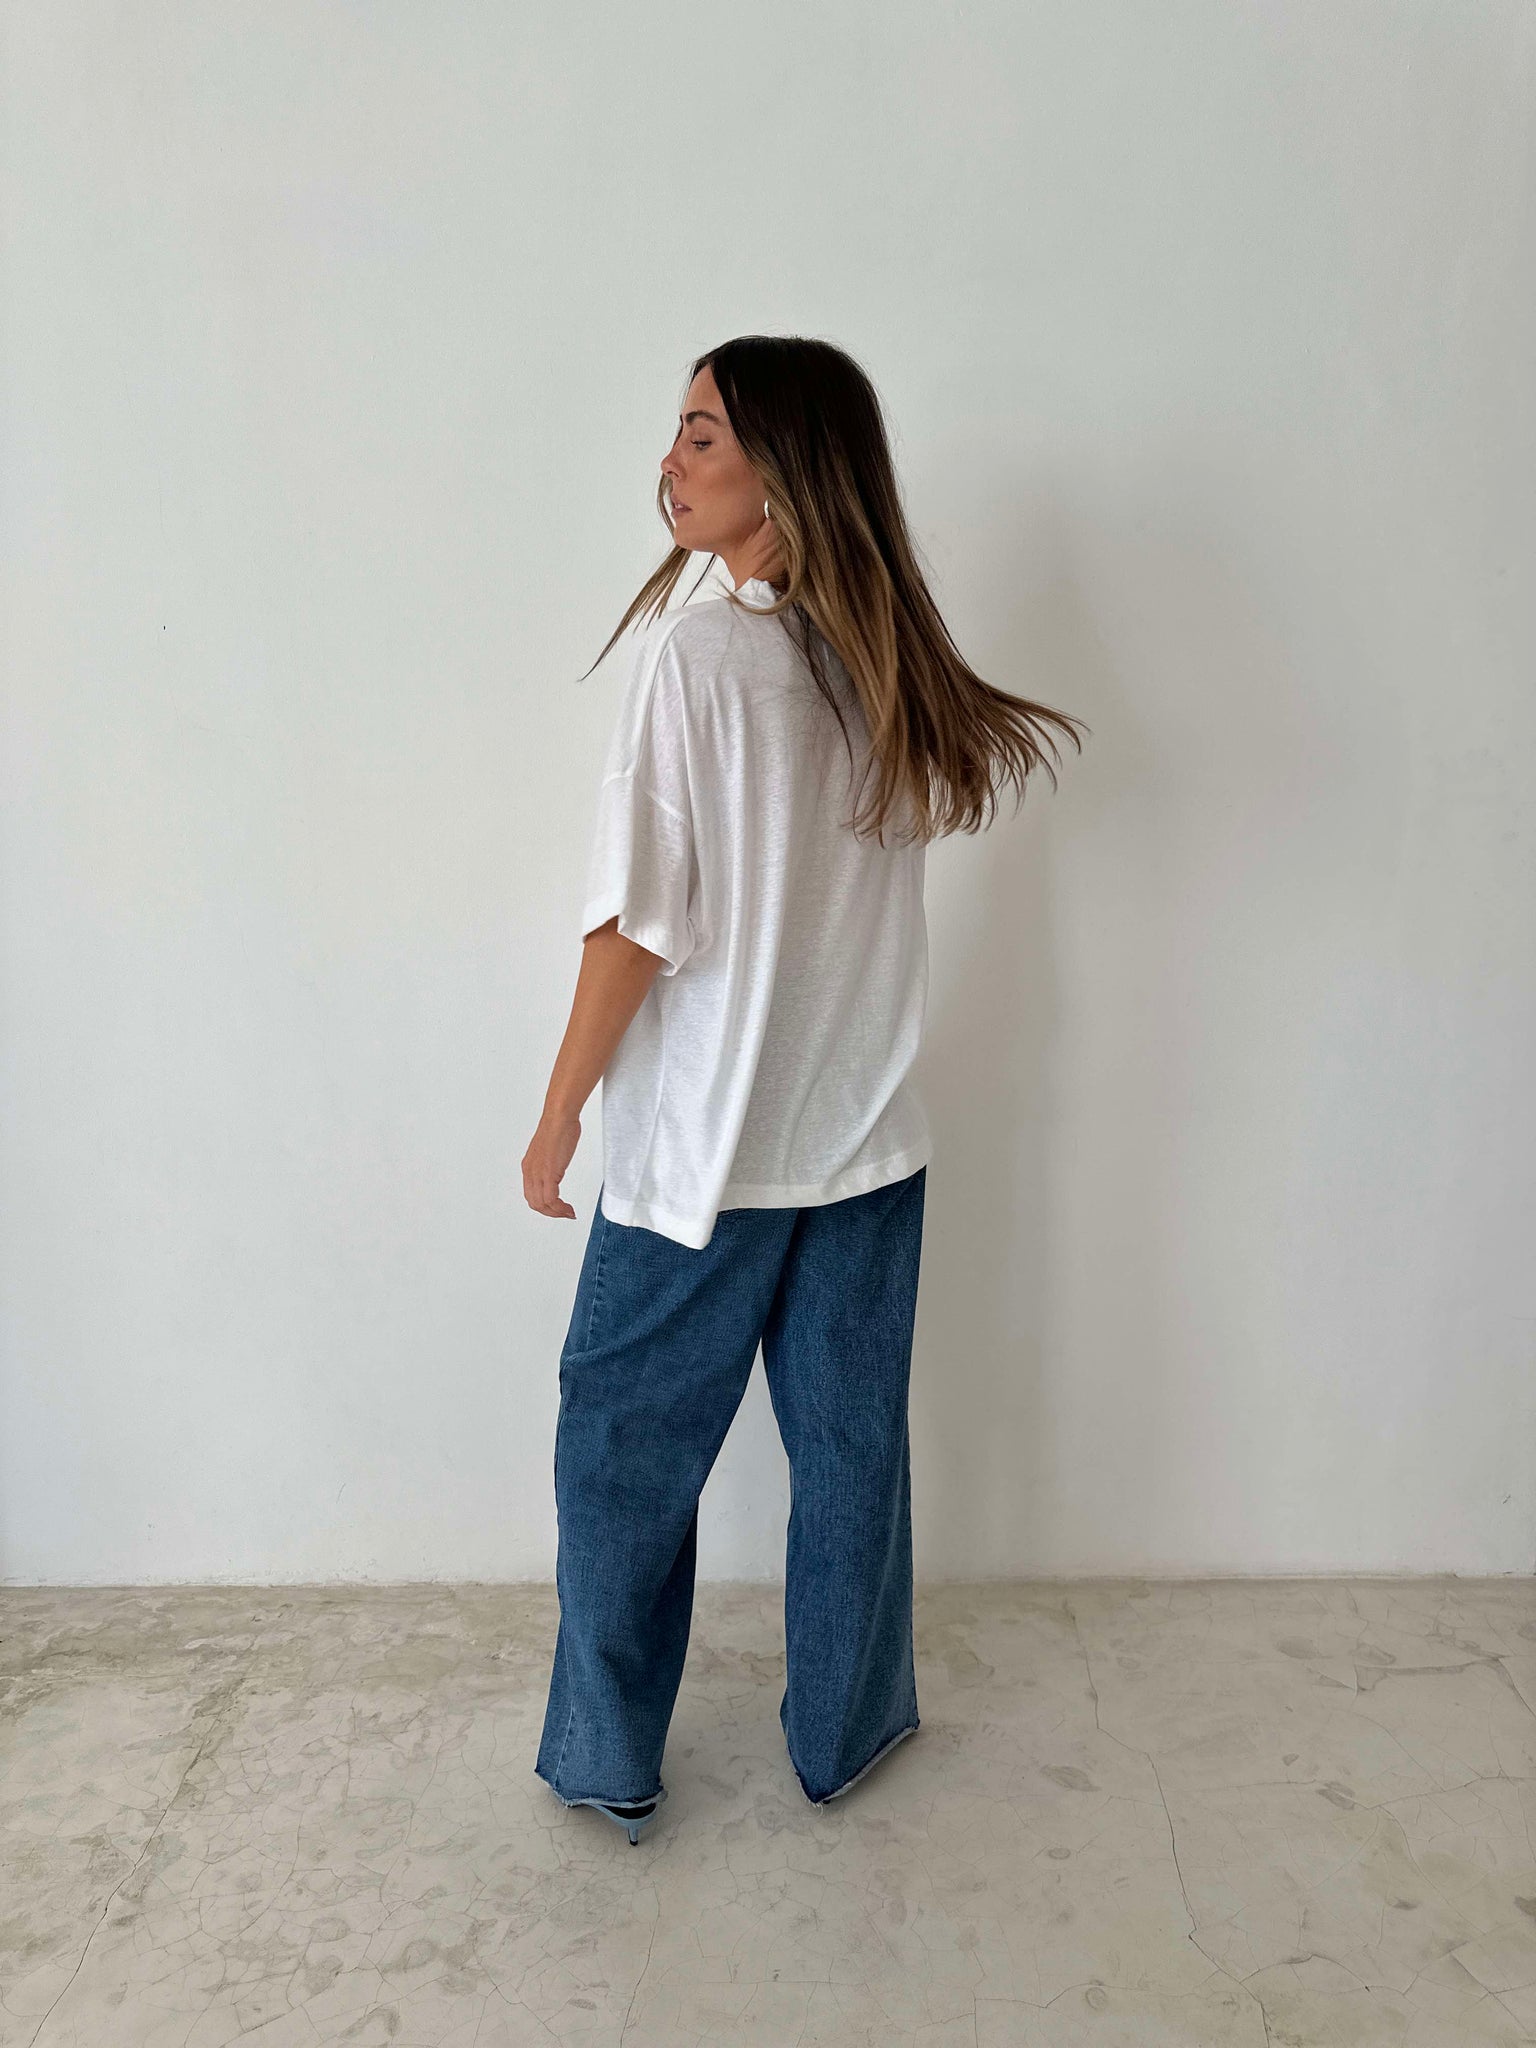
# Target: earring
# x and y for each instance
(766, 513)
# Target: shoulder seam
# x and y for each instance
(631, 775)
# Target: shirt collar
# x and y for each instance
(755, 591)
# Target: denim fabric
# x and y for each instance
(661, 1345)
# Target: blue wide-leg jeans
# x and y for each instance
(661, 1345)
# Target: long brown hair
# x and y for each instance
(808, 420)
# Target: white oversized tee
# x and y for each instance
(769, 1064)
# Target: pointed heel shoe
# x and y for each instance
(635, 1819)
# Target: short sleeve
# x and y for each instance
(642, 864)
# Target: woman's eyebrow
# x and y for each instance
(684, 419)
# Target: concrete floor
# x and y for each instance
(1136, 1814)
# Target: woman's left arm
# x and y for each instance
(614, 979)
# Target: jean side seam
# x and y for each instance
(565, 1745)
(597, 1283)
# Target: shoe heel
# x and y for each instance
(629, 1817)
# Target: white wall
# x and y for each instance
(341, 347)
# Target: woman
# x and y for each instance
(752, 995)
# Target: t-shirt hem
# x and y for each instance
(695, 1233)
(683, 1229)
(854, 1180)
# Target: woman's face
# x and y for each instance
(716, 495)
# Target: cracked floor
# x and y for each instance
(1141, 1814)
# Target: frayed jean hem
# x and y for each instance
(601, 1799)
(884, 1750)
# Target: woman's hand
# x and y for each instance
(544, 1163)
